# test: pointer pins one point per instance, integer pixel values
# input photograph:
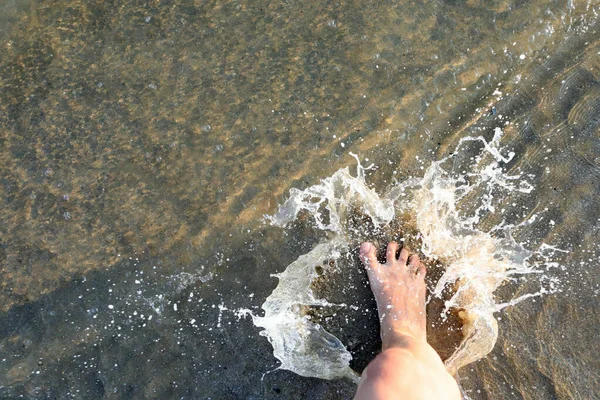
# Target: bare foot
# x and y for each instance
(408, 367)
(399, 289)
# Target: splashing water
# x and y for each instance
(478, 261)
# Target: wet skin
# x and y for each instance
(407, 367)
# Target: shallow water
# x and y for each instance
(142, 143)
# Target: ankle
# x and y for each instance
(401, 339)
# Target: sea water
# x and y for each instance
(445, 205)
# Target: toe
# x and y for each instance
(422, 269)
(417, 266)
(403, 257)
(368, 256)
(390, 255)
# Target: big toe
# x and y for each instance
(367, 255)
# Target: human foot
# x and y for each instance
(408, 367)
(399, 289)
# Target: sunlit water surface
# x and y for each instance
(143, 144)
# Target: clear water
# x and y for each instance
(143, 143)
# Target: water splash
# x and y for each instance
(301, 345)
(447, 204)
(330, 201)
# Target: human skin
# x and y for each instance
(407, 367)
